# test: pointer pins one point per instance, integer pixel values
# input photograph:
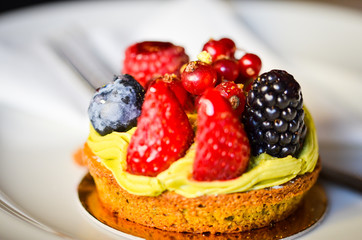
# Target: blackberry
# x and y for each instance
(117, 105)
(274, 115)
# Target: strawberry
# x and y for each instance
(148, 60)
(183, 96)
(235, 94)
(223, 148)
(163, 133)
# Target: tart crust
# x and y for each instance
(224, 213)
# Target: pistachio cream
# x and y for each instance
(264, 170)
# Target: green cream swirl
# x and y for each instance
(264, 170)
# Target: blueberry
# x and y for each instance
(117, 105)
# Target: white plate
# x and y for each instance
(43, 104)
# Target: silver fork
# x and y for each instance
(74, 49)
(9, 207)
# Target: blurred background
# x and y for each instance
(43, 100)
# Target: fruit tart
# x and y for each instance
(216, 147)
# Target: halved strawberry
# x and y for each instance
(163, 133)
(148, 60)
(184, 97)
(223, 148)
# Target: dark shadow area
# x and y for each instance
(16, 4)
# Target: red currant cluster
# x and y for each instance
(221, 69)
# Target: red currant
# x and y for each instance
(235, 94)
(198, 76)
(227, 69)
(230, 44)
(250, 65)
(218, 48)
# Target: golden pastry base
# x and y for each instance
(312, 210)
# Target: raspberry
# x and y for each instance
(274, 115)
(148, 60)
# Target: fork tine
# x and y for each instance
(76, 51)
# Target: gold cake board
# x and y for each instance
(311, 210)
